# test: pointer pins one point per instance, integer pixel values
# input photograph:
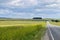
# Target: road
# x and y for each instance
(53, 32)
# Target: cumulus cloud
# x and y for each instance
(53, 5)
(38, 10)
(29, 8)
(46, 1)
(12, 14)
(21, 3)
(3, 11)
(58, 1)
(25, 3)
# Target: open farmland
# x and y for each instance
(22, 30)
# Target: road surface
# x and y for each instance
(53, 32)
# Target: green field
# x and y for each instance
(22, 30)
(55, 23)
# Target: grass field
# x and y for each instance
(55, 23)
(22, 30)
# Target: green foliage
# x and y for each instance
(20, 33)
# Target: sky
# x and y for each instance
(30, 8)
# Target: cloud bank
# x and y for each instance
(29, 8)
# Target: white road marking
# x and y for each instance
(51, 34)
(50, 30)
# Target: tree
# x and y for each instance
(52, 20)
(37, 18)
(56, 20)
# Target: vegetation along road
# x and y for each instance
(22, 30)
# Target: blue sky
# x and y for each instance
(30, 8)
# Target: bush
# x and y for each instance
(55, 20)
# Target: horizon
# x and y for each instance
(30, 8)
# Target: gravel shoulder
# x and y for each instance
(46, 37)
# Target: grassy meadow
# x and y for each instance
(55, 23)
(22, 30)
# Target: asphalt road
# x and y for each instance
(53, 32)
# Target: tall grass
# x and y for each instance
(55, 23)
(23, 32)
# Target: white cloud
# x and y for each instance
(28, 3)
(10, 13)
(34, 2)
(53, 5)
(15, 3)
(58, 1)
(38, 10)
(21, 15)
(3, 11)
(21, 3)
(46, 1)
(43, 12)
